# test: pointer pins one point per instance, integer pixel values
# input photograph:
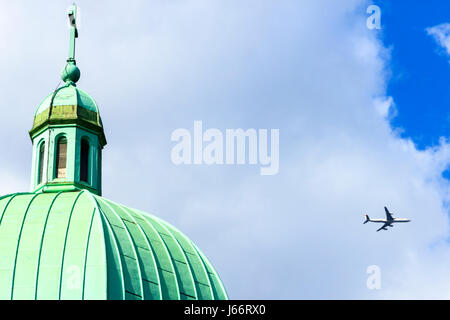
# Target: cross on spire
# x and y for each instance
(71, 73)
(73, 31)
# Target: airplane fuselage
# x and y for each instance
(388, 222)
(395, 220)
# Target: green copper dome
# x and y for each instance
(68, 95)
(68, 105)
(76, 245)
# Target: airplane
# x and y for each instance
(388, 222)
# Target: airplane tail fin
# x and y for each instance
(367, 219)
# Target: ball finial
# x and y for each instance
(70, 73)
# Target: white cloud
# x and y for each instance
(385, 106)
(441, 33)
(318, 75)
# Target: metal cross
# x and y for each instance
(73, 31)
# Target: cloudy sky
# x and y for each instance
(351, 139)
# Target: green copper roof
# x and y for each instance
(68, 95)
(68, 105)
(76, 245)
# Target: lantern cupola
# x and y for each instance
(67, 134)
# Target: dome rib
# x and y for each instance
(87, 252)
(117, 259)
(168, 278)
(213, 294)
(183, 280)
(10, 228)
(127, 248)
(11, 197)
(18, 244)
(94, 263)
(218, 288)
(140, 241)
(77, 246)
(189, 249)
(186, 262)
(61, 272)
(44, 228)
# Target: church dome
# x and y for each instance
(68, 95)
(68, 104)
(77, 245)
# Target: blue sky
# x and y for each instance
(311, 69)
(420, 69)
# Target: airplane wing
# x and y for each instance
(388, 215)
(384, 226)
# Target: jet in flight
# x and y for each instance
(388, 222)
